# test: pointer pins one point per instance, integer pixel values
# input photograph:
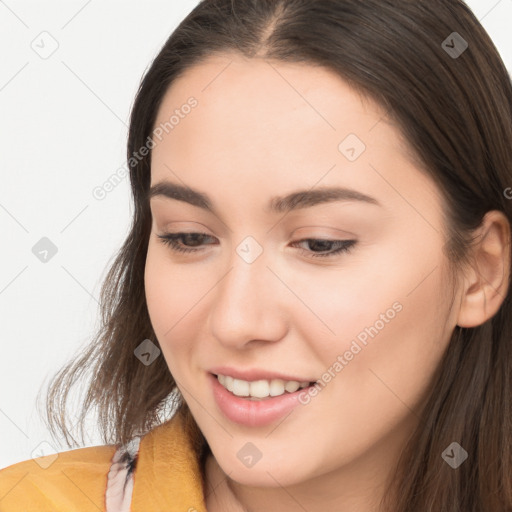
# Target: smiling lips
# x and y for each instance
(260, 388)
(256, 397)
(258, 383)
(254, 374)
(254, 411)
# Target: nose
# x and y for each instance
(249, 304)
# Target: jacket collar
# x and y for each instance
(168, 475)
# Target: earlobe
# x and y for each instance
(486, 282)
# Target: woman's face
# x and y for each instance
(370, 324)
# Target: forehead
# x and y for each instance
(257, 96)
(260, 121)
(264, 78)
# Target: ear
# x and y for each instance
(486, 282)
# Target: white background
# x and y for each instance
(63, 129)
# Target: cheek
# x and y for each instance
(165, 295)
(381, 382)
(175, 305)
(159, 296)
(170, 289)
(386, 315)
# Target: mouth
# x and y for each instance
(273, 403)
(260, 390)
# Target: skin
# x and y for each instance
(261, 130)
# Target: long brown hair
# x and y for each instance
(455, 111)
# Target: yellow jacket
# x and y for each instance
(155, 473)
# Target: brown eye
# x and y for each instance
(323, 245)
(187, 238)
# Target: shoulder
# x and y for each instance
(159, 468)
(70, 480)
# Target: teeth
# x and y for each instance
(240, 387)
(260, 388)
(229, 383)
(276, 387)
(292, 386)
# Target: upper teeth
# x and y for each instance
(260, 388)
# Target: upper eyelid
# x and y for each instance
(347, 245)
(177, 234)
(319, 237)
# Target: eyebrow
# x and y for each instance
(277, 204)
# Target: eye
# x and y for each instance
(342, 246)
(170, 240)
(191, 243)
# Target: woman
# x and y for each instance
(316, 281)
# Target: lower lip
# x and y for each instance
(253, 413)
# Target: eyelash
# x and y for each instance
(169, 239)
